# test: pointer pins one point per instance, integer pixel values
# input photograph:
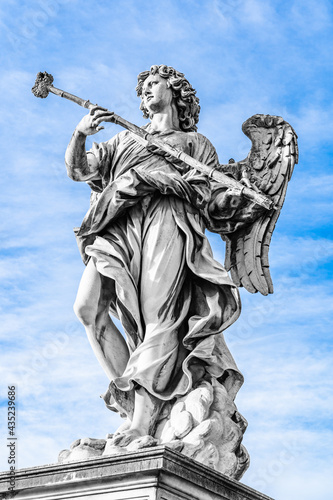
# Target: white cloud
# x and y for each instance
(302, 12)
(313, 124)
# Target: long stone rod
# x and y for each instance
(87, 104)
(147, 139)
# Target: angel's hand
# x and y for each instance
(90, 124)
(226, 200)
(245, 180)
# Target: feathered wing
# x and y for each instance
(268, 167)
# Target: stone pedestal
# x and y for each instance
(152, 474)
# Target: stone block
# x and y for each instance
(152, 474)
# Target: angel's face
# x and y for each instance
(156, 94)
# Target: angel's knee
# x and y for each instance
(85, 313)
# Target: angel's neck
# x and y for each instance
(165, 120)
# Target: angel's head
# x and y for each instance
(182, 94)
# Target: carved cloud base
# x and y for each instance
(204, 425)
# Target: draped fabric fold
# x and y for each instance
(145, 231)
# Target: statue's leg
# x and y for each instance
(92, 308)
(146, 410)
(164, 301)
(163, 295)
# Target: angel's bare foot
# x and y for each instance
(125, 438)
(125, 426)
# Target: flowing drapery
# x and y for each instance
(145, 232)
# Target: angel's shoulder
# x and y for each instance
(118, 138)
(200, 145)
(196, 136)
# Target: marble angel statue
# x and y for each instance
(149, 264)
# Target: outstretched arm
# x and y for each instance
(80, 165)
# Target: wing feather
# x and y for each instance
(242, 270)
(260, 282)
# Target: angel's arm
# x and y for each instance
(82, 166)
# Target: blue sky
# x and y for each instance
(243, 57)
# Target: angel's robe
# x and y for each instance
(145, 232)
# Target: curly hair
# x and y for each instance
(184, 94)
